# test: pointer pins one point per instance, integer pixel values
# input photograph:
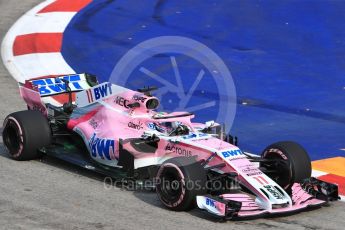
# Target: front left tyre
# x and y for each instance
(24, 133)
(179, 181)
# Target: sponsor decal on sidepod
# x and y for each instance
(137, 126)
(178, 150)
(104, 148)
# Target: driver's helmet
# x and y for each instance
(167, 127)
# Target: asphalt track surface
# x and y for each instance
(50, 194)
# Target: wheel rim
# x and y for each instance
(12, 138)
(283, 175)
(170, 188)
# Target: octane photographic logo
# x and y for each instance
(161, 61)
(132, 185)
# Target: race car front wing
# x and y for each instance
(311, 192)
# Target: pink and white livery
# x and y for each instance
(118, 132)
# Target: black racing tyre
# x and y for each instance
(294, 164)
(179, 181)
(24, 133)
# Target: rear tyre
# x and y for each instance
(179, 181)
(24, 133)
(294, 164)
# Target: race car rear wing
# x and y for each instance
(54, 90)
(57, 85)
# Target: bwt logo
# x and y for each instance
(210, 202)
(232, 153)
(52, 86)
(102, 91)
(104, 148)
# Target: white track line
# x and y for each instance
(317, 173)
(49, 64)
(32, 22)
(54, 22)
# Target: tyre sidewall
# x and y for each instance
(11, 121)
(296, 157)
(35, 133)
(193, 181)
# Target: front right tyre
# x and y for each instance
(290, 163)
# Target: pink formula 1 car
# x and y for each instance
(116, 131)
